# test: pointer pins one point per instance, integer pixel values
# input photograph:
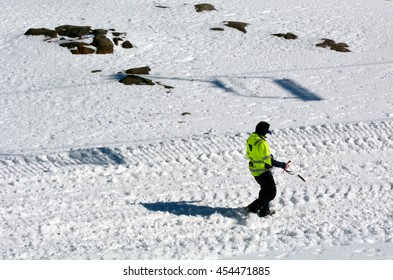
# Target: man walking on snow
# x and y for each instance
(261, 163)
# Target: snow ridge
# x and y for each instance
(289, 142)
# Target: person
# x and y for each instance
(261, 162)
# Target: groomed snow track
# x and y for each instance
(294, 142)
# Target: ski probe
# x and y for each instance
(290, 172)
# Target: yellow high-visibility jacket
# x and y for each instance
(258, 153)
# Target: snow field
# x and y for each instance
(150, 201)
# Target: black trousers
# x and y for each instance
(266, 194)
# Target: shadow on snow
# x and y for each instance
(97, 156)
(187, 208)
(297, 90)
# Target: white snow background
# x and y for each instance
(94, 169)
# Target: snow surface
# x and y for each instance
(93, 169)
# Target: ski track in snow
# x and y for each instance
(96, 205)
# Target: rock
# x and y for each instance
(116, 40)
(73, 31)
(339, 47)
(342, 45)
(100, 32)
(288, 36)
(217, 29)
(103, 44)
(140, 70)
(118, 34)
(136, 80)
(78, 47)
(127, 45)
(83, 50)
(326, 43)
(204, 7)
(41, 31)
(241, 26)
(72, 45)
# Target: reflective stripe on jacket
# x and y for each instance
(258, 153)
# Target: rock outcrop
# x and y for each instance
(83, 39)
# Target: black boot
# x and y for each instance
(265, 211)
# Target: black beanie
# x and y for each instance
(262, 128)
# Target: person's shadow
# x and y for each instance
(187, 208)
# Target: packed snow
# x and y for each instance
(94, 169)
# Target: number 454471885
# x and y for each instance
(243, 270)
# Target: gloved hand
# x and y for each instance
(287, 165)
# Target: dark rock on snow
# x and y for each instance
(103, 44)
(288, 36)
(145, 70)
(136, 80)
(127, 45)
(73, 31)
(83, 50)
(72, 45)
(204, 7)
(339, 47)
(71, 36)
(41, 31)
(241, 26)
(217, 29)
